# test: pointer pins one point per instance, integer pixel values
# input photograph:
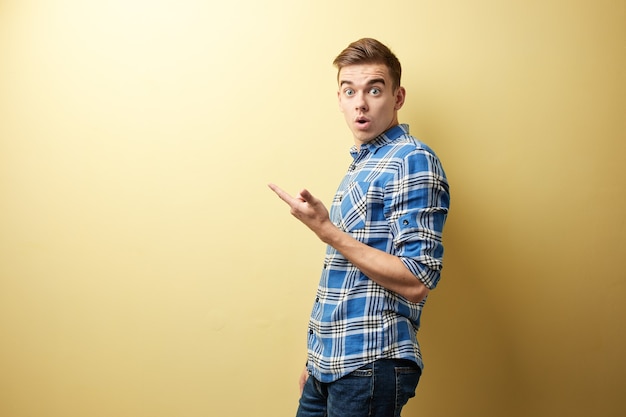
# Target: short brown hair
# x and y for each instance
(370, 51)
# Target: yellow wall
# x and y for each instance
(147, 271)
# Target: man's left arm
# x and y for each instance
(385, 269)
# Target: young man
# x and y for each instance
(384, 250)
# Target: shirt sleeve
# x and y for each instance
(418, 204)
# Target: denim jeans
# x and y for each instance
(379, 389)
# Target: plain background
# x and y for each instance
(147, 271)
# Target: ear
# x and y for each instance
(400, 97)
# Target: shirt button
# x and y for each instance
(406, 222)
(310, 331)
(317, 299)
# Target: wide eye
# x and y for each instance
(374, 91)
(348, 92)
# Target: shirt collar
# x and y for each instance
(383, 139)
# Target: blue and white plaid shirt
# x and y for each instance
(394, 197)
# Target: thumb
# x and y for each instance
(307, 196)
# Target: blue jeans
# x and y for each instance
(379, 389)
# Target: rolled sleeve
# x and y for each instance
(420, 204)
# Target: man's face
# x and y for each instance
(368, 100)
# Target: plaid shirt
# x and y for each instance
(394, 197)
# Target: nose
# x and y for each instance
(360, 103)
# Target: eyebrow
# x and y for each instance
(370, 82)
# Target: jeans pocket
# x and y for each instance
(407, 378)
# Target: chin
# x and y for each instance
(366, 137)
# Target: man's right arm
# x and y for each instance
(304, 376)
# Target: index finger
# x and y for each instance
(283, 195)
